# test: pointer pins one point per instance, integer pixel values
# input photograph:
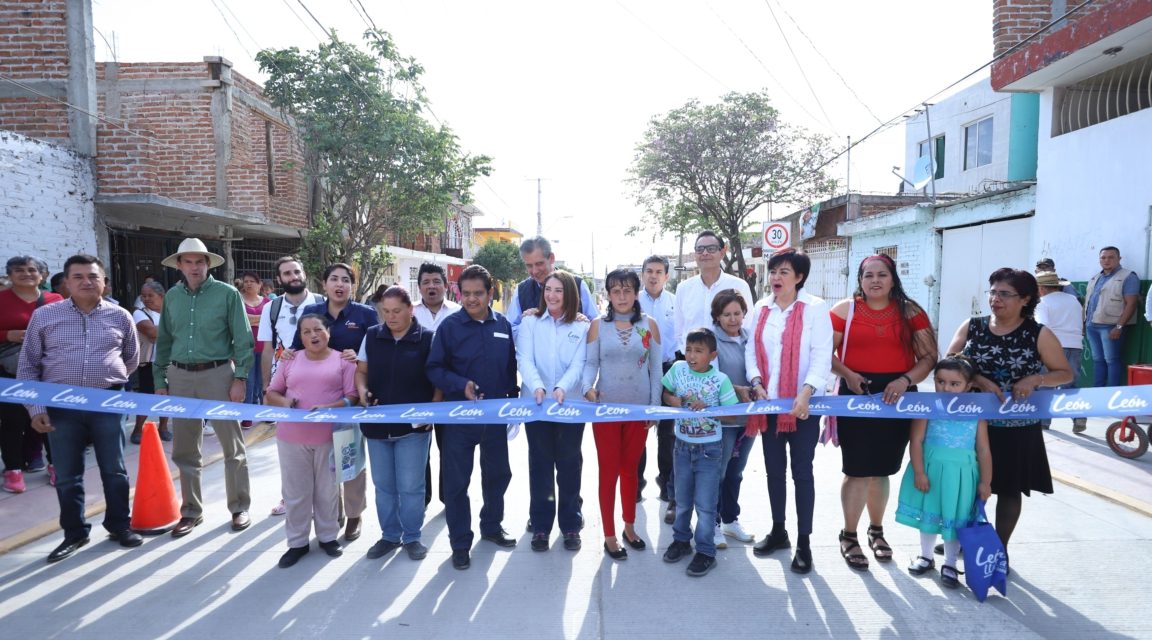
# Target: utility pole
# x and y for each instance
(539, 212)
(931, 151)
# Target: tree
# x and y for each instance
(501, 259)
(724, 161)
(380, 166)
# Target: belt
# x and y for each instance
(200, 366)
(143, 365)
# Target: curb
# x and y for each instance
(1101, 491)
(257, 434)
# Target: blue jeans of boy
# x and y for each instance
(555, 464)
(1107, 355)
(696, 470)
(74, 431)
(398, 475)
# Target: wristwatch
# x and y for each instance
(1120, 326)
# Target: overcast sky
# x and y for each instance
(563, 91)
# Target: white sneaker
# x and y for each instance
(721, 541)
(736, 532)
(207, 429)
(280, 509)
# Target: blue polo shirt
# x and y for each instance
(347, 329)
(464, 349)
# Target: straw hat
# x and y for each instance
(192, 245)
(1050, 279)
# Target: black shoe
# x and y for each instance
(66, 548)
(572, 541)
(770, 543)
(528, 527)
(677, 551)
(635, 543)
(500, 539)
(938, 549)
(292, 556)
(670, 512)
(460, 559)
(185, 526)
(619, 554)
(332, 548)
(700, 565)
(949, 577)
(382, 548)
(663, 494)
(127, 538)
(416, 551)
(540, 542)
(802, 561)
(352, 531)
(921, 565)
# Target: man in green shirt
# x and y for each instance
(204, 351)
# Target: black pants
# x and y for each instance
(437, 431)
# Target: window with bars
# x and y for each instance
(1114, 93)
(890, 251)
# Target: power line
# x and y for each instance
(827, 62)
(1010, 50)
(229, 25)
(799, 66)
(672, 46)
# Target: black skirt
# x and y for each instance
(872, 447)
(1019, 460)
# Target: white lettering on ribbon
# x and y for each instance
(608, 410)
(222, 411)
(15, 391)
(113, 403)
(557, 409)
(1132, 402)
(272, 414)
(368, 415)
(464, 412)
(413, 412)
(1075, 404)
(164, 406)
(1016, 407)
(507, 410)
(320, 416)
(67, 397)
(955, 408)
(911, 406)
(867, 406)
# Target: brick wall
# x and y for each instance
(33, 48)
(46, 203)
(1014, 20)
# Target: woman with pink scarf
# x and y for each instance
(789, 355)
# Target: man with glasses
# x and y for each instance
(1113, 295)
(278, 321)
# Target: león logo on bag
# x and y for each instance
(989, 563)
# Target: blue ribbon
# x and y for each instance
(1068, 403)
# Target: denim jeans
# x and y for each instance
(697, 469)
(254, 388)
(1073, 357)
(801, 444)
(74, 431)
(555, 465)
(457, 458)
(1107, 355)
(729, 509)
(398, 476)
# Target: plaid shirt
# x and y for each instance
(64, 345)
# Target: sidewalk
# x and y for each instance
(1084, 461)
(1073, 553)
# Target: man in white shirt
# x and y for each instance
(694, 295)
(539, 261)
(433, 306)
(1062, 313)
(659, 305)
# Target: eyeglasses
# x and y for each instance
(1002, 295)
(292, 318)
(708, 248)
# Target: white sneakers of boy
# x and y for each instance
(736, 532)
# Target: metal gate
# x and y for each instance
(829, 276)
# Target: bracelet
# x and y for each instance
(347, 402)
(906, 378)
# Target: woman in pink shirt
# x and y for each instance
(319, 380)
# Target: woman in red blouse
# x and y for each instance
(884, 344)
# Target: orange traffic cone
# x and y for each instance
(155, 508)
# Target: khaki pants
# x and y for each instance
(311, 492)
(355, 496)
(188, 439)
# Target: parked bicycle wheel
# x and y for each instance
(1127, 439)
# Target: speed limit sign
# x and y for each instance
(775, 235)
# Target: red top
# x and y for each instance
(15, 313)
(253, 313)
(875, 343)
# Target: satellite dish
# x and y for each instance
(922, 172)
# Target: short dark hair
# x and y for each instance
(287, 259)
(20, 261)
(56, 280)
(958, 362)
(626, 277)
(1110, 248)
(1023, 282)
(339, 265)
(475, 272)
(431, 267)
(708, 233)
(393, 291)
(85, 259)
(251, 274)
(534, 243)
(315, 316)
(725, 298)
(796, 258)
(571, 295)
(701, 335)
(661, 259)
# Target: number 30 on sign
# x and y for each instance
(775, 235)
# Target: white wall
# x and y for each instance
(949, 117)
(1094, 190)
(46, 207)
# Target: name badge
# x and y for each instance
(497, 334)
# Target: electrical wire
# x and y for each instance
(672, 46)
(229, 25)
(799, 66)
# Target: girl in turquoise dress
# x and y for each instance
(950, 466)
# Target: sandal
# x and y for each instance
(921, 565)
(950, 577)
(854, 559)
(878, 544)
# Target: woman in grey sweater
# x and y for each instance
(623, 366)
(728, 310)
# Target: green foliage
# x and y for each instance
(381, 167)
(710, 166)
(501, 259)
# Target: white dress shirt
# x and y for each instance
(550, 354)
(694, 303)
(431, 321)
(815, 365)
(662, 309)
